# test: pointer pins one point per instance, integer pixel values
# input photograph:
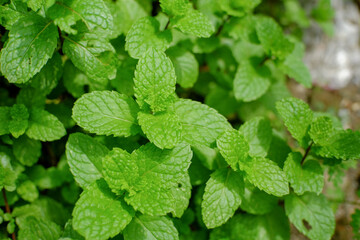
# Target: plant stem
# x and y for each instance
(7, 208)
(306, 153)
(222, 26)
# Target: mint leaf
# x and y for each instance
(312, 215)
(32, 41)
(99, 214)
(307, 177)
(251, 82)
(258, 133)
(5, 119)
(145, 34)
(297, 117)
(70, 233)
(163, 129)
(84, 52)
(255, 201)
(186, 66)
(39, 229)
(151, 228)
(93, 13)
(222, 197)
(267, 176)
(195, 23)
(31, 98)
(10, 176)
(107, 113)
(294, 66)
(149, 175)
(238, 8)
(44, 126)
(235, 149)
(272, 38)
(84, 156)
(154, 80)
(175, 7)
(27, 191)
(201, 124)
(27, 150)
(181, 195)
(19, 122)
(9, 16)
(322, 130)
(47, 79)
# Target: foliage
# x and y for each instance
(144, 119)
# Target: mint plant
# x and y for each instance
(162, 120)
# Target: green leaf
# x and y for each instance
(151, 228)
(175, 7)
(154, 80)
(195, 23)
(307, 177)
(84, 155)
(258, 133)
(312, 215)
(32, 41)
(163, 129)
(272, 38)
(322, 130)
(5, 119)
(294, 66)
(69, 232)
(93, 13)
(28, 191)
(96, 63)
(255, 201)
(99, 214)
(106, 113)
(10, 176)
(9, 15)
(297, 117)
(235, 149)
(44, 126)
(27, 150)
(201, 125)
(47, 79)
(39, 229)
(186, 66)
(251, 82)
(355, 223)
(267, 176)
(180, 196)
(148, 175)
(31, 98)
(145, 34)
(222, 197)
(238, 8)
(19, 122)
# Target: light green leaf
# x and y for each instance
(255, 201)
(99, 214)
(19, 122)
(201, 124)
(272, 38)
(251, 82)
(148, 175)
(235, 149)
(186, 66)
(163, 129)
(175, 7)
(312, 215)
(106, 113)
(44, 126)
(69, 232)
(195, 23)
(307, 177)
(84, 155)
(95, 62)
(238, 8)
(222, 197)
(47, 79)
(267, 176)
(258, 133)
(145, 34)
(180, 196)
(5, 119)
(93, 13)
(39, 229)
(27, 150)
(294, 66)
(9, 15)
(10, 176)
(28, 191)
(154, 80)
(297, 117)
(151, 228)
(322, 130)
(32, 41)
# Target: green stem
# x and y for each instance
(7, 208)
(306, 153)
